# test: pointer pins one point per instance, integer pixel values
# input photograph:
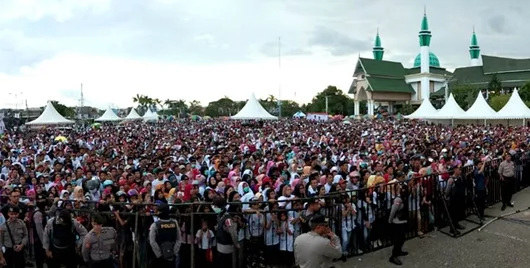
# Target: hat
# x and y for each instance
(14, 209)
(319, 219)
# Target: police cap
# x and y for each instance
(14, 209)
(163, 208)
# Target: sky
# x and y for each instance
(206, 49)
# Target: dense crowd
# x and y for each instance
(273, 174)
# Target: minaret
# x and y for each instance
(474, 49)
(378, 50)
(425, 41)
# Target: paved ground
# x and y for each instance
(503, 243)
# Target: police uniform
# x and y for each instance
(165, 240)
(97, 248)
(14, 234)
(61, 240)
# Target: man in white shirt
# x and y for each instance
(160, 179)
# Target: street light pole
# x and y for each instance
(327, 104)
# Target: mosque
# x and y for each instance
(383, 83)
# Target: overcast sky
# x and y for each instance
(206, 49)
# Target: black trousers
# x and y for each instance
(480, 201)
(224, 260)
(102, 264)
(66, 257)
(14, 259)
(163, 263)
(399, 232)
(457, 208)
(40, 255)
(507, 188)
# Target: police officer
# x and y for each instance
(226, 234)
(14, 237)
(60, 240)
(165, 239)
(99, 244)
(455, 192)
(39, 222)
(319, 247)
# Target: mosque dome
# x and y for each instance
(433, 60)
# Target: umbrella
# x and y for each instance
(96, 125)
(206, 117)
(195, 117)
(61, 139)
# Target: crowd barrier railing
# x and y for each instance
(266, 230)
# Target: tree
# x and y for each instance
(195, 108)
(338, 102)
(465, 95)
(222, 107)
(63, 109)
(497, 102)
(524, 92)
(494, 86)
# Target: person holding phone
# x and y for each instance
(318, 247)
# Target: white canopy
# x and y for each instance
(133, 115)
(515, 108)
(426, 110)
(299, 114)
(479, 110)
(451, 110)
(50, 116)
(253, 110)
(109, 115)
(150, 116)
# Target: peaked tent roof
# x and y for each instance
(50, 116)
(133, 115)
(150, 116)
(109, 115)
(515, 108)
(480, 110)
(451, 110)
(426, 110)
(253, 110)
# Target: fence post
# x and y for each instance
(135, 250)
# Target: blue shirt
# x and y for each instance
(480, 181)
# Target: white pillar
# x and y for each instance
(474, 62)
(370, 106)
(356, 108)
(424, 50)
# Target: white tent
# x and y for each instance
(515, 108)
(50, 116)
(451, 110)
(426, 110)
(150, 116)
(253, 110)
(299, 114)
(479, 110)
(133, 115)
(109, 115)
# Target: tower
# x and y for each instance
(378, 50)
(425, 41)
(474, 49)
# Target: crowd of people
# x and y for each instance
(268, 178)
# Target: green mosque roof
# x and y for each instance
(433, 60)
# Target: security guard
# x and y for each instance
(60, 240)
(14, 237)
(165, 239)
(455, 192)
(99, 244)
(319, 247)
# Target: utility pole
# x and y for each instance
(279, 78)
(327, 104)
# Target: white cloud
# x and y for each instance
(206, 49)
